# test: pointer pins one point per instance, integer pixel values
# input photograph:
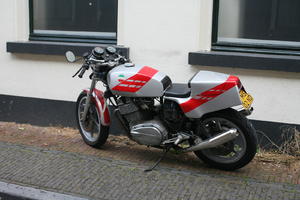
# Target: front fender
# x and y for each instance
(100, 102)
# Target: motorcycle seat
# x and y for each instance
(179, 90)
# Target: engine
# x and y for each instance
(145, 127)
(151, 133)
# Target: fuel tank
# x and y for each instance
(137, 81)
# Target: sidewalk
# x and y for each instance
(266, 167)
(100, 178)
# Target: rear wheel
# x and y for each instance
(91, 130)
(234, 154)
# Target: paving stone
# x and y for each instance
(99, 178)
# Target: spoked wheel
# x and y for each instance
(91, 130)
(235, 153)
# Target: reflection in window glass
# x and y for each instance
(75, 17)
(259, 21)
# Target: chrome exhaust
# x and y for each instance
(214, 141)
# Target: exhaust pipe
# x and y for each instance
(214, 141)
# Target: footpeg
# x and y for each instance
(177, 140)
(180, 138)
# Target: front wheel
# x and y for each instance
(234, 154)
(91, 130)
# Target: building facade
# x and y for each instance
(259, 42)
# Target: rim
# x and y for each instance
(91, 127)
(229, 152)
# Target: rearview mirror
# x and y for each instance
(70, 56)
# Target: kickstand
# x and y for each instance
(158, 161)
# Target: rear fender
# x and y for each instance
(100, 102)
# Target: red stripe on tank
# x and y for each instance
(137, 81)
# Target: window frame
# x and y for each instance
(246, 47)
(67, 38)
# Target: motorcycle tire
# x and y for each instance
(92, 131)
(247, 139)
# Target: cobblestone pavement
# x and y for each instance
(266, 166)
(99, 178)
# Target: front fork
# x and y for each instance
(88, 99)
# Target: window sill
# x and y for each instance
(246, 60)
(57, 48)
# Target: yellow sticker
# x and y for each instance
(246, 99)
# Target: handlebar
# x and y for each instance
(116, 60)
(95, 60)
(92, 61)
(84, 68)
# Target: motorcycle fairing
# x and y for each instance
(99, 100)
(210, 91)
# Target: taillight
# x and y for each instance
(239, 84)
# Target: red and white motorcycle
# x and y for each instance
(206, 116)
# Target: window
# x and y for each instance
(266, 26)
(74, 20)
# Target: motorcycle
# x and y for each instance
(206, 116)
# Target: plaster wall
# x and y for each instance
(40, 76)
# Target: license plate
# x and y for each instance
(246, 99)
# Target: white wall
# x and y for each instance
(32, 75)
(159, 34)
